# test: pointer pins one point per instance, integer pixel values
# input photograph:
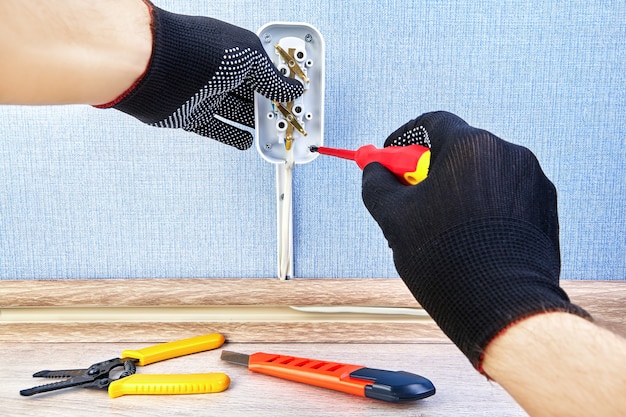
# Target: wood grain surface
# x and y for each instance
(246, 291)
(195, 292)
(254, 315)
(605, 300)
(461, 391)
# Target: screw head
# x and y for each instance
(267, 38)
(308, 37)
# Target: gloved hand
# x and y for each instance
(201, 68)
(477, 242)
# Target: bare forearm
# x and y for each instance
(559, 364)
(71, 51)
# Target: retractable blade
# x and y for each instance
(390, 386)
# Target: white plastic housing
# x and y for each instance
(270, 124)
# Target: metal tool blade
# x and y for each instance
(74, 382)
(236, 358)
(64, 373)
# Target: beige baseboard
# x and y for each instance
(245, 310)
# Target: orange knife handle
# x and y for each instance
(331, 375)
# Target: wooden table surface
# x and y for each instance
(461, 391)
(72, 324)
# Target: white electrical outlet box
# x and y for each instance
(297, 50)
(285, 131)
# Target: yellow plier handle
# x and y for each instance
(171, 383)
(170, 350)
(155, 384)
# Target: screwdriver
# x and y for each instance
(409, 163)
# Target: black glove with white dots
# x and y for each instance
(202, 77)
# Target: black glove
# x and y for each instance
(202, 67)
(477, 242)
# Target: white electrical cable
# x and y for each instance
(362, 310)
(285, 235)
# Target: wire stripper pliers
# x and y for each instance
(101, 375)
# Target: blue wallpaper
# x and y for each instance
(88, 193)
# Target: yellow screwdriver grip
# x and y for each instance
(421, 170)
(169, 384)
(175, 349)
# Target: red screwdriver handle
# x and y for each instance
(409, 163)
(339, 153)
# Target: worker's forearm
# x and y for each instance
(559, 364)
(71, 51)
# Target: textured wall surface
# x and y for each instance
(87, 193)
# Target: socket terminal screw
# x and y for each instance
(308, 37)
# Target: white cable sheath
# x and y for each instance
(284, 185)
